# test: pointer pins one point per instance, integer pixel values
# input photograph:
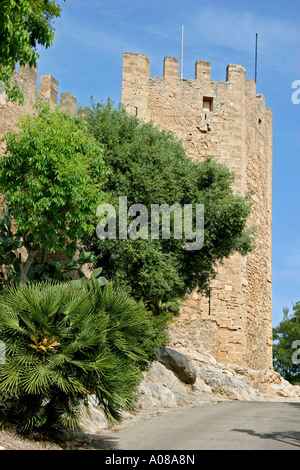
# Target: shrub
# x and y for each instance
(64, 343)
(286, 336)
(40, 269)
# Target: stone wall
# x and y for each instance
(228, 120)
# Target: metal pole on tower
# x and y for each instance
(256, 58)
(181, 64)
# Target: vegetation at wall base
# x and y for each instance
(40, 269)
(286, 347)
(64, 343)
(52, 177)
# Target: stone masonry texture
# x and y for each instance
(228, 120)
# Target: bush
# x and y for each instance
(40, 269)
(286, 351)
(64, 343)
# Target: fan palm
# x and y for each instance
(63, 343)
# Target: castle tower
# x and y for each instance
(26, 79)
(228, 120)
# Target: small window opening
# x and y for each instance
(259, 121)
(207, 103)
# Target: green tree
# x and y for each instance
(286, 345)
(52, 179)
(63, 343)
(24, 24)
(151, 167)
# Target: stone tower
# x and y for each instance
(228, 120)
(26, 79)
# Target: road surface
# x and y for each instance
(232, 425)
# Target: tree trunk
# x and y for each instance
(26, 266)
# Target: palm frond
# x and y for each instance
(63, 343)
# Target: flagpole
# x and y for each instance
(181, 64)
(256, 59)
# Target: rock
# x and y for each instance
(196, 356)
(96, 421)
(178, 363)
(156, 395)
(162, 396)
(240, 370)
(200, 386)
(286, 390)
(158, 373)
(187, 377)
(233, 387)
(280, 390)
(145, 397)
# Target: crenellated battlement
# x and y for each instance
(201, 93)
(171, 67)
(202, 70)
(26, 79)
(139, 65)
(48, 88)
(136, 64)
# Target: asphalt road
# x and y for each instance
(232, 425)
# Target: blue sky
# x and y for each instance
(86, 59)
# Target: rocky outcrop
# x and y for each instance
(164, 386)
(179, 364)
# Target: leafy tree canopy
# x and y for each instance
(286, 347)
(52, 178)
(151, 167)
(24, 24)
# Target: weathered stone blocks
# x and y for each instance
(228, 120)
